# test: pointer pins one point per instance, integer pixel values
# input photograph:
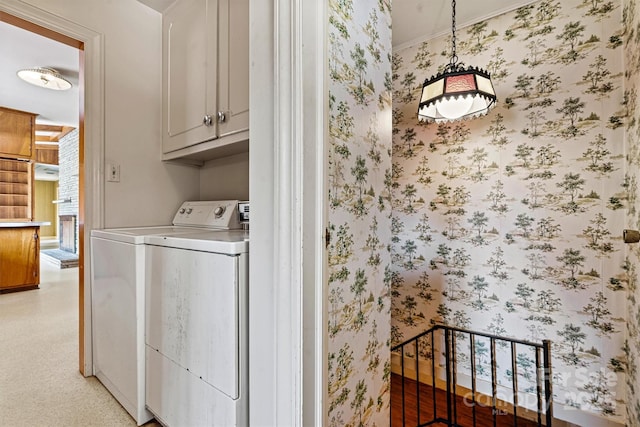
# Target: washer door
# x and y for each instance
(193, 313)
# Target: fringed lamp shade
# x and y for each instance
(456, 94)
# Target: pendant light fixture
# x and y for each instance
(457, 93)
(44, 77)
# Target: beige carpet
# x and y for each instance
(40, 384)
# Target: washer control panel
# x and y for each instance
(220, 214)
(243, 211)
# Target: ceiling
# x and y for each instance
(23, 49)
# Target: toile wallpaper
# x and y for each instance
(512, 223)
(359, 214)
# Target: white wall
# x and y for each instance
(226, 178)
(149, 190)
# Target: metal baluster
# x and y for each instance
(417, 347)
(494, 386)
(402, 384)
(548, 392)
(447, 352)
(472, 338)
(454, 362)
(538, 387)
(514, 382)
(433, 374)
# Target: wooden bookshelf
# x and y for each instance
(16, 190)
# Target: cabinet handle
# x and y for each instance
(207, 120)
(222, 117)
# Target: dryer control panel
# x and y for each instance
(220, 214)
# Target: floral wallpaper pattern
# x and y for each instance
(631, 20)
(512, 223)
(359, 212)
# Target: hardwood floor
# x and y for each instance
(484, 414)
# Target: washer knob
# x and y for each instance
(181, 210)
(219, 211)
(189, 210)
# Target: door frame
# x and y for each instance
(287, 188)
(91, 141)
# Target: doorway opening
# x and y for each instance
(80, 214)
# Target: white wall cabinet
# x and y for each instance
(205, 70)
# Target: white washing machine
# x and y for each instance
(118, 297)
(196, 328)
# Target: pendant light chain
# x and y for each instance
(454, 56)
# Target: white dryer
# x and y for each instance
(118, 297)
(196, 328)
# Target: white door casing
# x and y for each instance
(288, 128)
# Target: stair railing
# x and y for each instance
(449, 341)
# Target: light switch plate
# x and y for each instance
(113, 173)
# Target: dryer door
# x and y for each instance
(193, 313)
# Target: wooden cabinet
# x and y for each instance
(47, 154)
(17, 133)
(205, 79)
(19, 258)
(16, 190)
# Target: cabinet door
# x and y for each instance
(17, 131)
(189, 73)
(19, 257)
(233, 66)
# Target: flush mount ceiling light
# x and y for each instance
(457, 93)
(44, 77)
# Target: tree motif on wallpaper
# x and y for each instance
(360, 172)
(497, 197)
(423, 57)
(598, 156)
(571, 185)
(409, 249)
(371, 30)
(534, 267)
(536, 19)
(341, 251)
(373, 245)
(542, 311)
(571, 261)
(570, 111)
(600, 315)
(598, 78)
(598, 7)
(424, 172)
(498, 131)
(570, 35)
(409, 87)
(596, 235)
(479, 222)
(479, 168)
(573, 337)
(537, 49)
(408, 137)
(498, 66)
(498, 265)
(340, 367)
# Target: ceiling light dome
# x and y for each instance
(44, 77)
